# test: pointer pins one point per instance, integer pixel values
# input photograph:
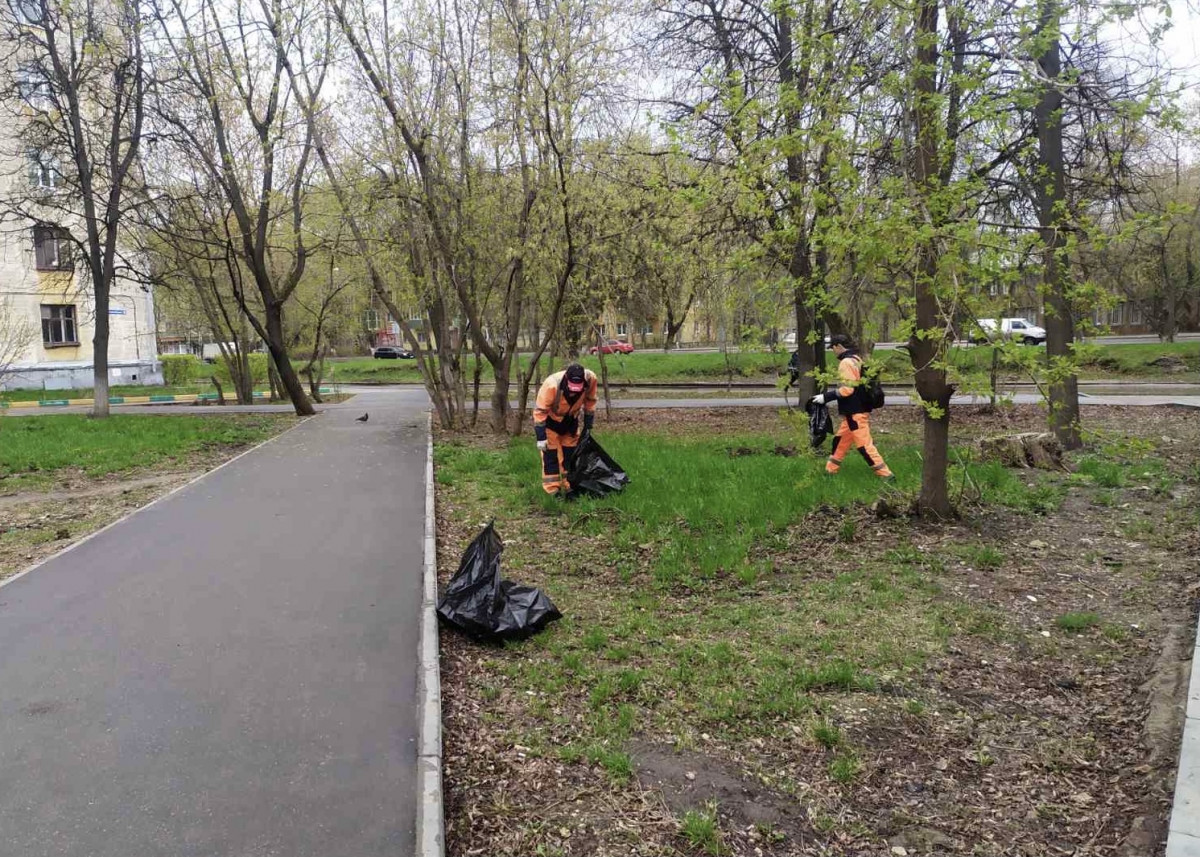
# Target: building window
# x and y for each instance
(647, 330)
(43, 170)
(622, 329)
(27, 11)
(50, 249)
(33, 87)
(58, 324)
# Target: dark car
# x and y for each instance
(392, 352)
(614, 346)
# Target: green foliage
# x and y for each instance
(179, 369)
(258, 371)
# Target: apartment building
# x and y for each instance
(44, 289)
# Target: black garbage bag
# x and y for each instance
(592, 471)
(820, 424)
(478, 602)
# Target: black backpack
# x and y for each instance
(871, 388)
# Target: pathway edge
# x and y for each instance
(15, 577)
(430, 826)
(1183, 834)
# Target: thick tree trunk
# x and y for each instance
(100, 408)
(926, 344)
(1051, 186)
(288, 378)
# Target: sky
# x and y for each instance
(1182, 42)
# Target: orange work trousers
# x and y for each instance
(554, 468)
(855, 431)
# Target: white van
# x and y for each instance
(1019, 329)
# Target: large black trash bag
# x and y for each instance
(486, 607)
(820, 424)
(591, 470)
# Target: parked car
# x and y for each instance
(1020, 329)
(789, 339)
(391, 352)
(613, 346)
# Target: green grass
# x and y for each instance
(676, 612)
(1077, 622)
(699, 828)
(34, 448)
(652, 366)
(826, 734)
(982, 556)
(844, 768)
(700, 509)
(370, 370)
(1104, 472)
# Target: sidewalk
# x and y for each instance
(233, 669)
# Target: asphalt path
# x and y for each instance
(233, 669)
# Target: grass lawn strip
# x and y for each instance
(753, 662)
(64, 476)
(1134, 361)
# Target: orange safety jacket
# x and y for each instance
(850, 391)
(555, 412)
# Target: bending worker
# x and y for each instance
(850, 394)
(556, 420)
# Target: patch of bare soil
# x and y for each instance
(1048, 724)
(34, 530)
(106, 489)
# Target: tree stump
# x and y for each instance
(1040, 450)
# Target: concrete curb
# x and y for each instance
(181, 398)
(431, 841)
(1183, 838)
(15, 577)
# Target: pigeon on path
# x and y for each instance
(362, 419)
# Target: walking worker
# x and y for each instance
(560, 400)
(854, 407)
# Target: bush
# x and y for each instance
(179, 369)
(258, 372)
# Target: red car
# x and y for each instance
(613, 346)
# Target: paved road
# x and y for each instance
(231, 672)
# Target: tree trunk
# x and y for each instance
(925, 350)
(288, 379)
(243, 379)
(500, 406)
(1051, 187)
(100, 407)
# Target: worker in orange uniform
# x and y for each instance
(855, 428)
(560, 400)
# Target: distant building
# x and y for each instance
(41, 287)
